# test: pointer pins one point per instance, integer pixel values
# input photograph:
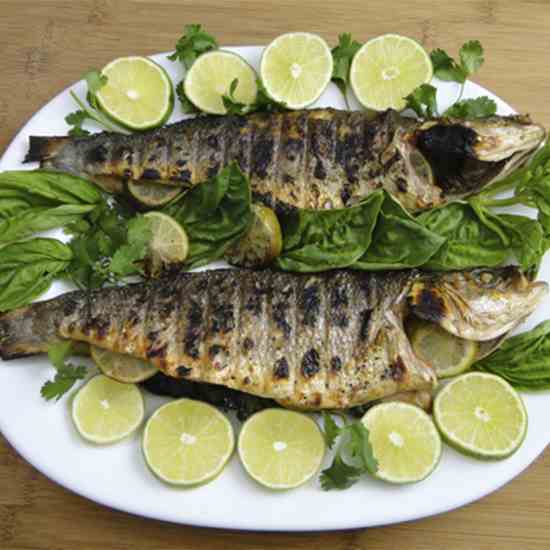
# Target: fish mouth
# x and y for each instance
(481, 304)
(467, 155)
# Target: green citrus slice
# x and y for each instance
(481, 415)
(446, 353)
(404, 440)
(281, 449)
(210, 77)
(186, 442)
(138, 93)
(106, 411)
(387, 69)
(152, 194)
(296, 68)
(121, 367)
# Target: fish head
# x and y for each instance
(467, 155)
(481, 304)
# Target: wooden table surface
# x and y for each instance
(46, 45)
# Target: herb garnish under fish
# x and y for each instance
(330, 340)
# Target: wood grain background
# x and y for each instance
(46, 45)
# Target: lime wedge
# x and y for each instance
(138, 93)
(210, 77)
(404, 440)
(387, 69)
(169, 243)
(261, 244)
(105, 411)
(296, 68)
(481, 415)
(121, 367)
(187, 442)
(152, 194)
(281, 449)
(446, 353)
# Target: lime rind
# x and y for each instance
(105, 411)
(405, 442)
(304, 69)
(183, 433)
(467, 398)
(118, 86)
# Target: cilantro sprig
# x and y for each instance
(354, 444)
(194, 42)
(90, 109)
(342, 54)
(67, 374)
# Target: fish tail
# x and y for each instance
(29, 330)
(44, 148)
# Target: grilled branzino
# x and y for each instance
(318, 159)
(331, 340)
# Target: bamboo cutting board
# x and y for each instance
(46, 45)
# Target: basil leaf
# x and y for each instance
(317, 240)
(28, 268)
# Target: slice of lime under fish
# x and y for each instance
(153, 194)
(121, 367)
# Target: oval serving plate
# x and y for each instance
(117, 476)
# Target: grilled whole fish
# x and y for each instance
(319, 159)
(331, 340)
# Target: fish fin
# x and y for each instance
(42, 148)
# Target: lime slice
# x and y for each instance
(121, 367)
(210, 77)
(152, 194)
(404, 441)
(446, 353)
(261, 244)
(387, 69)
(296, 68)
(138, 93)
(169, 243)
(105, 411)
(281, 449)
(187, 442)
(481, 415)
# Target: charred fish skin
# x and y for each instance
(310, 342)
(318, 159)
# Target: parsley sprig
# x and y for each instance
(342, 54)
(194, 42)
(355, 444)
(67, 374)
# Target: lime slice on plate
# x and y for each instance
(105, 411)
(296, 68)
(152, 194)
(210, 77)
(404, 440)
(261, 244)
(138, 93)
(186, 442)
(281, 449)
(169, 243)
(446, 353)
(121, 367)
(481, 415)
(387, 69)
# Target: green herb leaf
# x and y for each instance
(66, 375)
(232, 106)
(446, 68)
(342, 56)
(76, 119)
(28, 268)
(360, 447)
(423, 101)
(479, 107)
(331, 430)
(193, 43)
(186, 105)
(471, 57)
(523, 360)
(339, 475)
(124, 261)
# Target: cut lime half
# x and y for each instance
(481, 415)
(404, 440)
(121, 367)
(387, 69)
(106, 411)
(186, 442)
(281, 449)
(296, 68)
(210, 77)
(138, 93)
